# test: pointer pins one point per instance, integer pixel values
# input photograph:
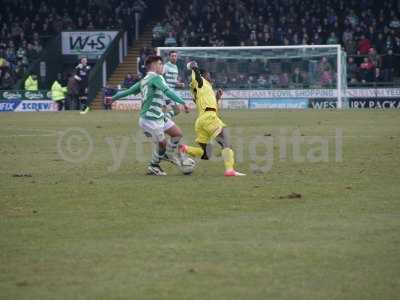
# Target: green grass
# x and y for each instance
(96, 230)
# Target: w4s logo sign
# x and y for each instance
(87, 42)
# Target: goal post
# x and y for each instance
(275, 73)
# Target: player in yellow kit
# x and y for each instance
(208, 125)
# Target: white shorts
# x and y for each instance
(155, 128)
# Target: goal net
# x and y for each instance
(271, 76)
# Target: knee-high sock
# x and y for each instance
(195, 151)
(173, 144)
(229, 158)
(158, 154)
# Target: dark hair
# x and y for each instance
(170, 52)
(203, 72)
(152, 58)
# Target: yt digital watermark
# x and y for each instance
(259, 151)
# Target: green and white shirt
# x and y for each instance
(152, 87)
(171, 74)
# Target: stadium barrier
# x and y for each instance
(372, 98)
(21, 101)
(376, 98)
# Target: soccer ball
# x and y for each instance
(188, 166)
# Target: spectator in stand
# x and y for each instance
(31, 53)
(367, 70)
(352, 71)
(108, 92)
(284, 80)
(251, 82)
(327, 77)
(273, 80)
(388, 66)
(378, 76)
(323, 66)
(20, 70)
(37, 47)
(373, 57)
(297, 77)
(364, 44)
(262, 81)
(7, 82)
(333, 40)
(379, 43)
(170, 41)
(129, 81)
(158, 35)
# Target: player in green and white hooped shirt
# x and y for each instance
(152, 119)
(171, 75)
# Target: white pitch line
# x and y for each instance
(27, 135)
(30, 129)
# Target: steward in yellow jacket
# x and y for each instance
(58, 93)
(31, 83)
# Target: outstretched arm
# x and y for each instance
(196, 76)
(133, 90)
(159, 84)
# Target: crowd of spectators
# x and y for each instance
(368, 30)
(25, 25)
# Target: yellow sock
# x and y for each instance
(195, 151)
(229, 158)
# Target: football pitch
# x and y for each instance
(316, 217)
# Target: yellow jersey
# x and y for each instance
(203, 94)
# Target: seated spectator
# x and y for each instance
(4, 64)
(388, 66)
(242, 81)
(10, 55)
(378, 76)
(129, 81)
(352, 69)
(284, 80)
(158, 35)
(139, 6)
(323, 66)
(364, 44)
(251, 82)
(233, 82)
(273, 80)
(373, 57)
(224, 82)
(37, 47)
(333, 40)
(31, 53)
(20, 70)
(297, 77)
(262, 81)
(7, 82)
(327, 78)
(170, 40)
(367, 68)
(108, 92)
(21, 54)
